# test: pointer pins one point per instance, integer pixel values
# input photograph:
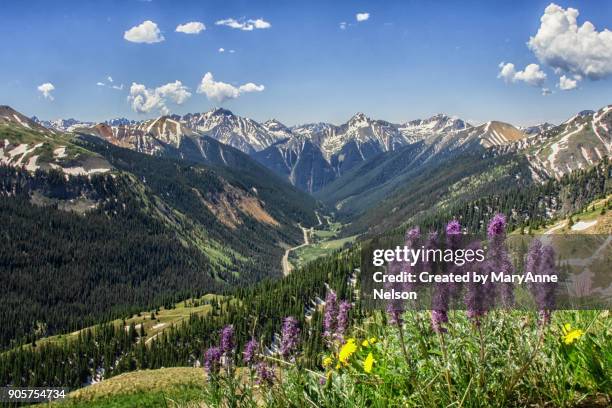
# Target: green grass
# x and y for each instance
(323, 241)
(165, 387)
(309, 253)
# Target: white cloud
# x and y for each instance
(567, 84)
(193, 27)
(220, 91)
(147, 32)
(251, 87)
(507, 71)
(245, 25)
(46, 89)
(109, 79)
(343, 25)
(570, 48)
(362, 16)
(118, 87)
(532, 74)
(221, 49)
(143, 99)
(546, 92)
(100, 84)
(231, 51)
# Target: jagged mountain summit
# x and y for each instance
(242, 133)
(63, 125)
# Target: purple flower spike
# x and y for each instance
(438, 318)
(411, 236)
(453, 228)
(541, 260)
(289, 336)
(343, 318)
(227, 339)
(249, 353)
(497, 226)
(331, 313)
(212, 360)
(265, 374)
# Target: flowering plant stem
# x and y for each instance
(404, 350)
(446, 363)
(525, 365)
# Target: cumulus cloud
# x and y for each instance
(147, 32)
(220, 91)
(362, 16)
(221, 49)
(109, 79)
(143, 99)
(251, 87)
(46, 89)
(546, 92)
(571, 48)
(245, 25)
(532, 74)
(193, 27)
(567, 84)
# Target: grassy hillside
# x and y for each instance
(166, 387)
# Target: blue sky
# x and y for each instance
(409, 59)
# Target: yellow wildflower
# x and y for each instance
(327, 361)
(368, 363)
(368, 342)
(569, 335)
(347, 351)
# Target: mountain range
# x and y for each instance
(358, 167)
(312, 156)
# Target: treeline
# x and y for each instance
(529, 207)
(255, 312)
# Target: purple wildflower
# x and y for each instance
(453, 242)
(477, 299)
(250, 350)
(212, 360)
(289, 336)
(227, 339)
(439, 317)
(265, 373)
(453, 228)
(441, 292)
(343, 318)
(498, 258)
(497, 226)
(411, 236)
(331, 313)
(541, 260)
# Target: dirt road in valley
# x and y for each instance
(286, 265)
